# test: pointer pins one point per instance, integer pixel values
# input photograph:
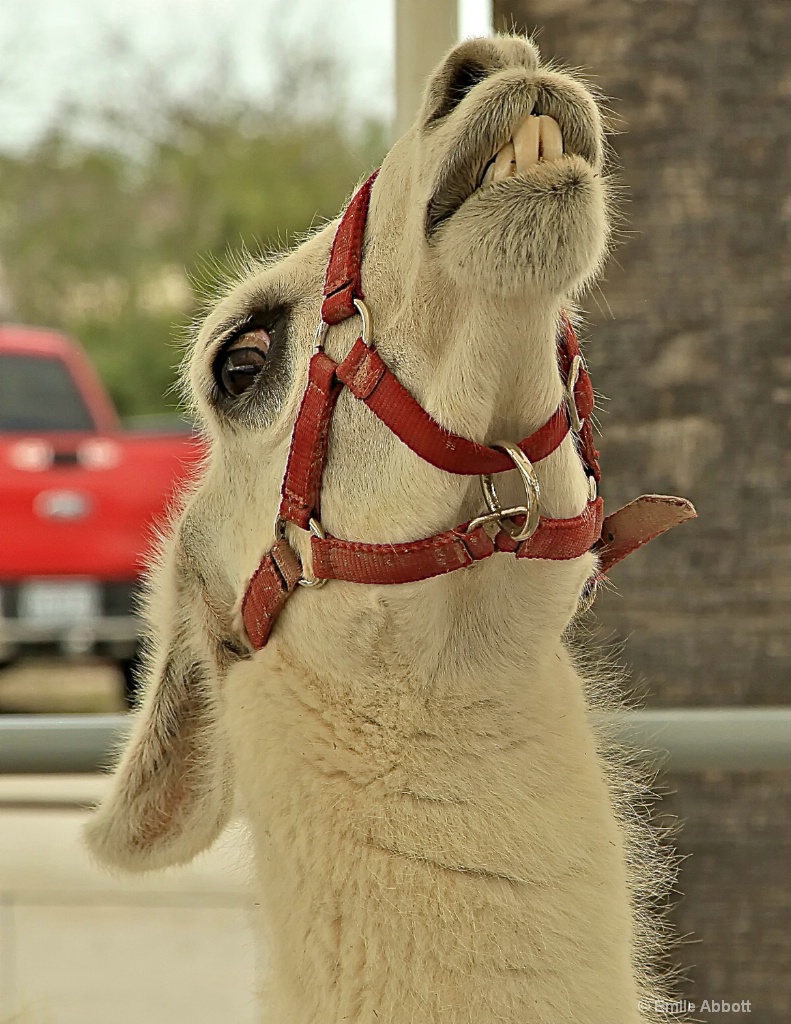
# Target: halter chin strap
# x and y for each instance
(520, 531)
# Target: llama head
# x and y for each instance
(486, 218)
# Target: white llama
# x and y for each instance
(438, 837)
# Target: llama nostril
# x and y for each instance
(461, 80)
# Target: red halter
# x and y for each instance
(521, 530)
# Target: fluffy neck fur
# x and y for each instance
(432, 846)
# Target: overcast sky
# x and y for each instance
(55, 50)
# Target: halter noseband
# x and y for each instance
(520, 530)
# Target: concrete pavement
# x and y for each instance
(78, 946)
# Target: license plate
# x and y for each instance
(59, 602)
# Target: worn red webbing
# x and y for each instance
(639, 522)
(355, 562)
(343, 282)
(367, 376)
(558, 539)
(272, 584)
(301, 491)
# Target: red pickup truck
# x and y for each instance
(79, 500)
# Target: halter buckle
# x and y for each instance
(498, 514)
(317, 530)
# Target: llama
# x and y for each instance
(437, 834)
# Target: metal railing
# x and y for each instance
(690, 739)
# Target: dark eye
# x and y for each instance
(240, 363)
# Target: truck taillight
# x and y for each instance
(99, 453)
(33, 454)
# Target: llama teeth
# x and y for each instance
(527, 143)
(551, 145)
(536, 138)
(504, 165)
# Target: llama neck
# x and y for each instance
(499, 379)
(463, 840)
(498, 368)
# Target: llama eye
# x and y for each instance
(240, 363)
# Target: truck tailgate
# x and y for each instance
(93, 510)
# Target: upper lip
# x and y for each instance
(474, 148)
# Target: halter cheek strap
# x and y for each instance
(520, 531)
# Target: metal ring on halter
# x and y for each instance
(571, 402)
(320, 334)
(530, 510)
(365, 313)
(317, 530)
(593, 488)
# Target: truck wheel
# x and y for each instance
(131, 671)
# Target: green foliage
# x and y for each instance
(102, 234)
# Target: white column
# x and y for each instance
(425, 29)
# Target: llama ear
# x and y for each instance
(171, 794)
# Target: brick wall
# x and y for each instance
(691, 344)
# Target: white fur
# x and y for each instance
(436, 837)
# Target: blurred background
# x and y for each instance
(143, 146)
(145, 143)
